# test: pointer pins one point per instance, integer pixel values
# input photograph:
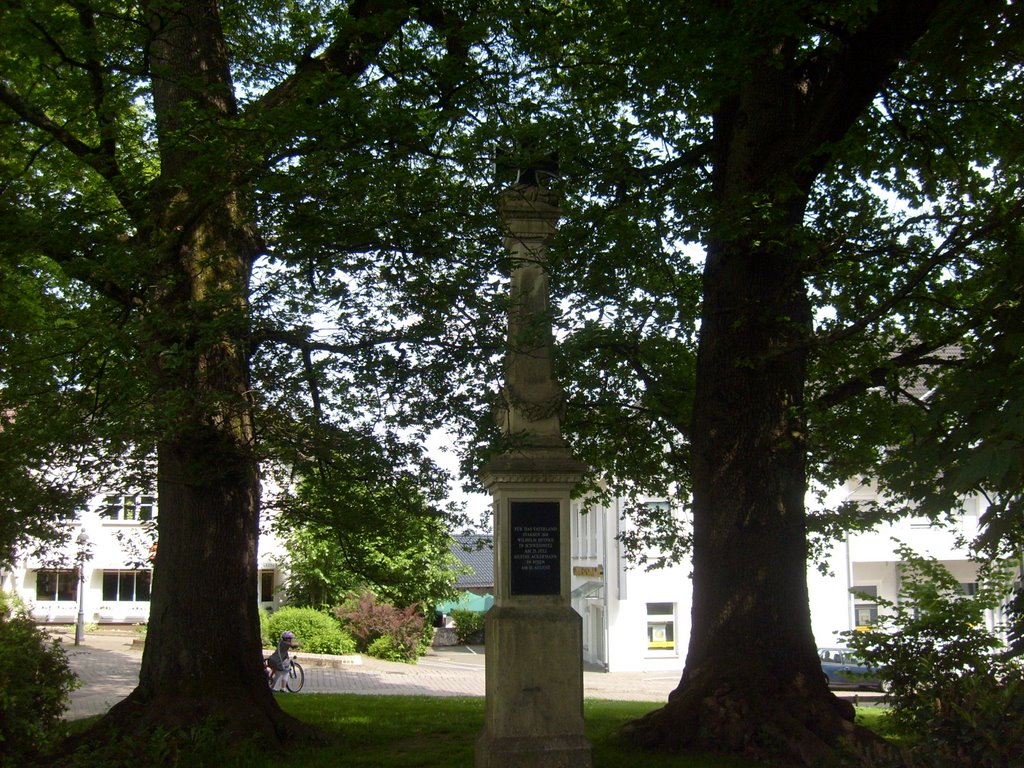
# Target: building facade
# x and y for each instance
(867, 565)
(637, 620)
(633, 619)
(108, 565)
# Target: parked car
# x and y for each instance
(843, 669)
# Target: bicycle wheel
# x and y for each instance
(296, 677)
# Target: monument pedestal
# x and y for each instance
(534, 709)
(533, 716)
(548, 752)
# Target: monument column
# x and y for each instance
(534, 664)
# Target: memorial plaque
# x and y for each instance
(534, 548)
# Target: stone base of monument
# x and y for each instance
(533, 752)
(534, 706)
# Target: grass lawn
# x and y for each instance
(400, 732)
(874, 718)
(408, 731)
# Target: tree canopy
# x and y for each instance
(850, 173)
(789, 254)
(231, 223)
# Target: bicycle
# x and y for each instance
(294, 680)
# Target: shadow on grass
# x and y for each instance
(409, 732)
(405, 732)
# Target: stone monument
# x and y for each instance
(534, 665)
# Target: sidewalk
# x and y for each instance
(108, 665)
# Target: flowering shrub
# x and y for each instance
(404, 630)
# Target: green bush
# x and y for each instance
(35, 683)
(11, 604)
(316, 632)
(388, 649)
(469, 626)
(977, 723)
(265, 630)
(956, 699)
(426, 638)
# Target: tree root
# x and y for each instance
(162, 729)
(795, 725)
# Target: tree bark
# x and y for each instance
(752, 683)
(751, 663)
(203, 659)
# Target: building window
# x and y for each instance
(865, 611)
(129, 508)
(587, 532)
(867, 614)
(57, 585)
(266, 586)
(661, 635)
(658, 508)
(127, 586)
(594, 532)
(970, 588)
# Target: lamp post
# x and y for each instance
(83, 554)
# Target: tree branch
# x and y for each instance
(911, 357)
(840, 83)
(374, 23)
(300, 339)
(102, 158)
(950, 248)
(91, 156)
(94, 70)
(694, 156)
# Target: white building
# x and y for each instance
(868, 564)
(111, 546)
(635, 620)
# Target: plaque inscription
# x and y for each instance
(534, 548)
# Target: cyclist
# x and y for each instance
(279, 662)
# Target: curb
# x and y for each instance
(332, 662)
(329, 662)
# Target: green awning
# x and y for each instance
(467, 601)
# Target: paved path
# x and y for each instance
(108, 665)
(108, 669)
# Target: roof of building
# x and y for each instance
(477, 552)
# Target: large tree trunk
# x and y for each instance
(752, 682)
(202, 660)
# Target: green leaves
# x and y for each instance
(949, 689)
(367, 188)
(368, 511)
